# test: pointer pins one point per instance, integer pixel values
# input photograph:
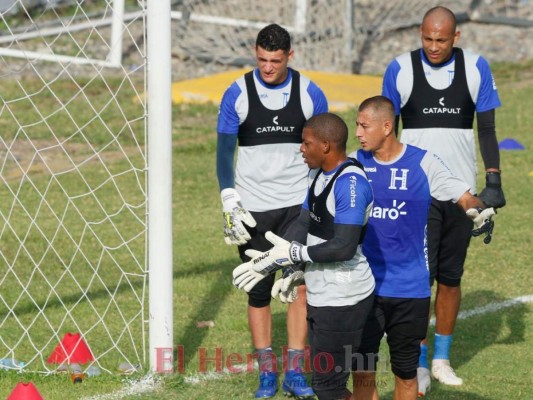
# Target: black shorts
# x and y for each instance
(405, 322)
(449, 233)
(334, 337)
(276, 221)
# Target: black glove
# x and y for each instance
(492, 195)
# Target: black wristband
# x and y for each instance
(493, 180)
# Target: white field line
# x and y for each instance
(151, 382)
(493, 307)
(147, 383)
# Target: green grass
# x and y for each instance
(491, 351)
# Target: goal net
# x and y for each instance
(74, 184)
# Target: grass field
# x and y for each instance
(492, 350)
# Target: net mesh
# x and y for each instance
(72, 187)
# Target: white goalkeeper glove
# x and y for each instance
(235, 216)
(483, 223)
(283, 254)
(287, 286)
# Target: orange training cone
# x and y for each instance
(72, 349)
(25, 391)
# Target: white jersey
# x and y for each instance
(456, 146)
(269, 176)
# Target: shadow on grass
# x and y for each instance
(474, 334)
(220, 287)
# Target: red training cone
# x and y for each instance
(25, 391)
(72, 349)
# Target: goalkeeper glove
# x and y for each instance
(492, 195)
(287, 286)
(235, 216)
(283, 254)
(483, 223)
(244, 276)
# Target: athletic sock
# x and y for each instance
(296, 359)
(266, 359)
(442, 347)
(423, 359)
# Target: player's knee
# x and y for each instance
(405, 372)
(449, 281)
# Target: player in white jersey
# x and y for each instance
(403, 178)
(327, 236)
(264, 112)
(437, 90)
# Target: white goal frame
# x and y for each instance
(159, 80)
(114, 57)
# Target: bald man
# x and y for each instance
(437, 90)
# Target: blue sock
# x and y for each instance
(423, 359)
(442, 347)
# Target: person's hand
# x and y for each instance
(493, 195)
(287, 286)
(235, 216)
(483, 223)
(283, 254)
(244, 276)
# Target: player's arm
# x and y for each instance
(226, 145)
(227, 133)
(341, 247)
(233, 214)
(318, 98)
(445, 186)
(468, 201)
(487, 101)
(492, 195)
(389, 89)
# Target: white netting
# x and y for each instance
(72, 184)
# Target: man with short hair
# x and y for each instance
(437, 90)
(327, 236)
(404, 179)
(264, 111)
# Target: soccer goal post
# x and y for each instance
(160, 186)
(86, 186)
